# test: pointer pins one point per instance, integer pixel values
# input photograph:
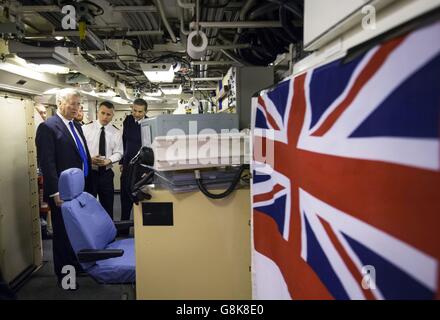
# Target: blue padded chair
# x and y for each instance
(92, 233)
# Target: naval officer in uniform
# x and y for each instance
(132, 142)
(106, 148)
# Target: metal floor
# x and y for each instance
(43, 285)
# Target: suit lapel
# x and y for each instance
(81, 133)
(61, 126)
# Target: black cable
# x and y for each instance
(284, 23)
(263, 10)
(291, 6)
(143, 156)
(169, 56)
(224, 194)
(267, 44)
(143, 181)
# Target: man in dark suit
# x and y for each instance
(80, 116)
(61, 145)
(132, 142)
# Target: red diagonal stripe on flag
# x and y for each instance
(269, 195)
(267, 114)
(346, 258)
(373, 65)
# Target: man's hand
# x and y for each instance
(96, 160)
(104, 162)
(58, 201)
(101, 162)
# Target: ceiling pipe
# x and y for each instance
(238, 24)
(233, 58)
(206, 79)
(182, 22)
(107, 60)
(159, 6)
(229, 46)
(212, 63)
(75, 33)
(41, 8)
(134, 9)
(144, 33)
(190, 6)
(247, 6)
(205, 89)
(98, 52)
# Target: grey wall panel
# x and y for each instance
(17, 200)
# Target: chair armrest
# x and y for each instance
(123, 225)
(90, 255)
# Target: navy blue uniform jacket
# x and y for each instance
(57, 151)
(131, 139)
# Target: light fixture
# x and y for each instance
(49, 68)
(149, 98)
(119, 100)
(52, 91)
(108, 93)
(59, 38)
(92, 93)
(172, 90)
(158, 72)
(157, 93)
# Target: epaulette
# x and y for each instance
(89, 123)
(115, 127)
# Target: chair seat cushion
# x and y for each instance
(117, 270)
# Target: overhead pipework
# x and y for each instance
(203, 37)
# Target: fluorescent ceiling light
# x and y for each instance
(49, 68)
(52, 91)
(108, 93)
(172, 90)
(148, 98)
(119, 100)
(157, 93)
(158, 72)
(90, 93)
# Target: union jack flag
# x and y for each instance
(354, 182)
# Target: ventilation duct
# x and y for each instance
(40, 55)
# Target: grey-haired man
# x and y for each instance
(61, 145)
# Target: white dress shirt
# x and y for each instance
(113, 141)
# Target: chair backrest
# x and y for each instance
(87, 223)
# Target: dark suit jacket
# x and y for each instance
(131, 139)
(57, 151)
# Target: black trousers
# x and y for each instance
(63, 253)
(126, 202)
(103, 187)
